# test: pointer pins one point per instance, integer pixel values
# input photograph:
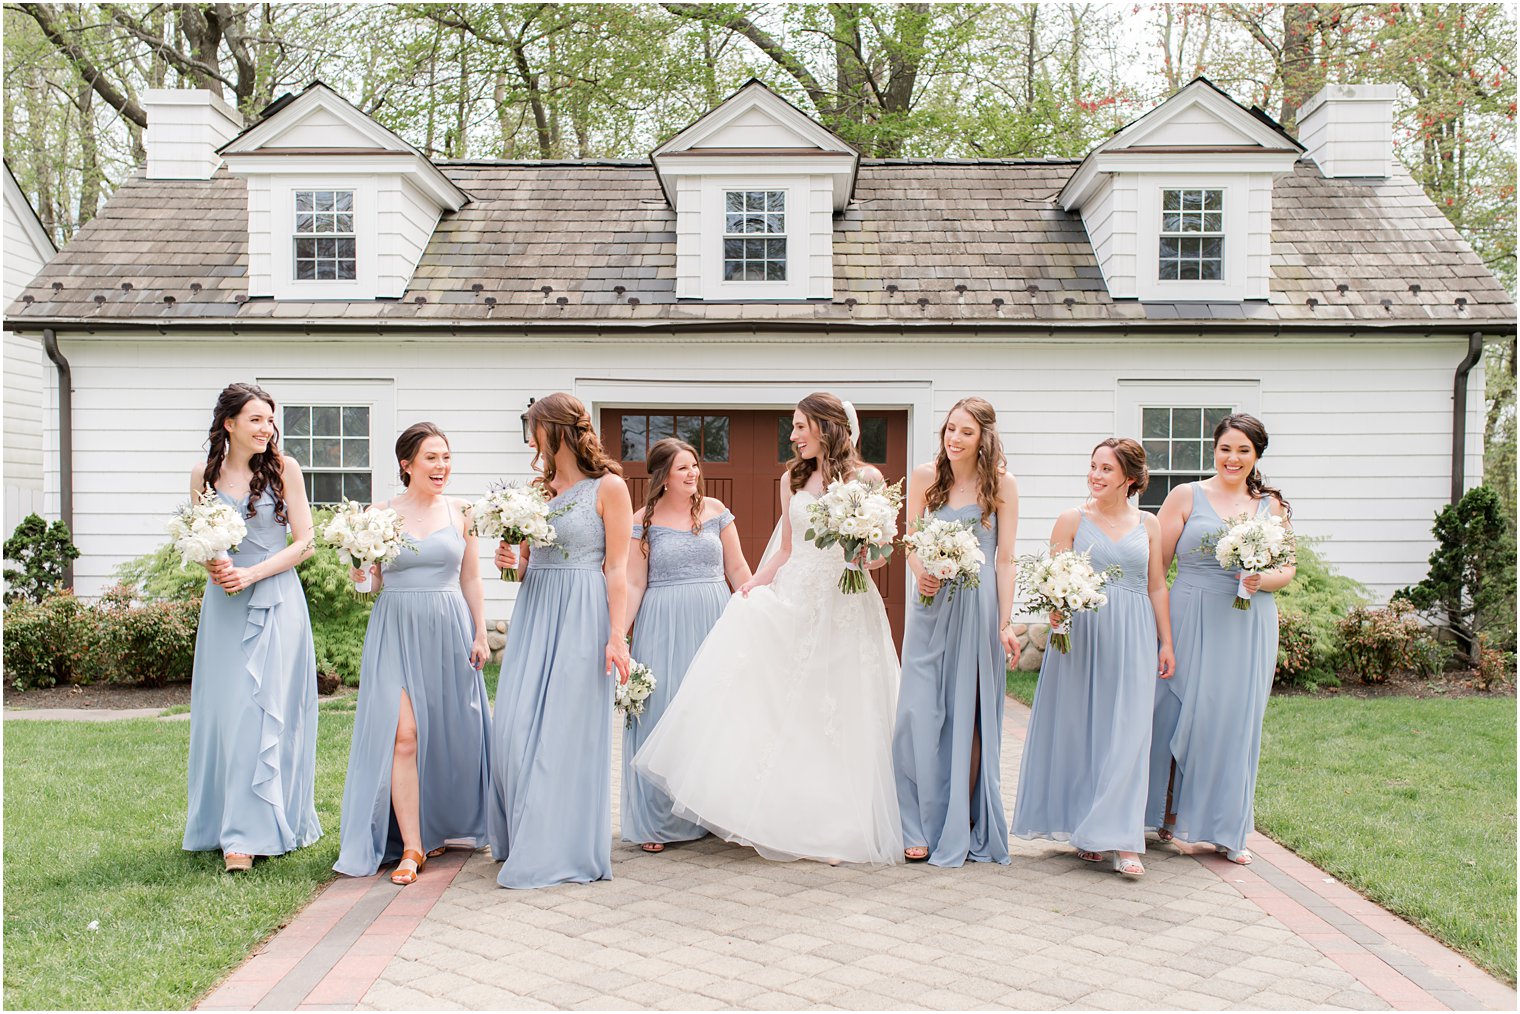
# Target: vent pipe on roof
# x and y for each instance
(1348, 129)
(186, 126)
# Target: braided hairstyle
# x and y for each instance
(563, 421)
(838, 459)
(268, 466)
(662, 458)
(1254, 431)
(991, 462)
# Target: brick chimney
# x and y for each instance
(1348, 129)
(185, 128)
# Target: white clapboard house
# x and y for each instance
(27, 247)
(1200, 261)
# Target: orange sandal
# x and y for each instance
(237, 862)
(404, 877)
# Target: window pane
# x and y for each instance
(1213, 221)
(1185, 454)
(1167, 271)
(633, 438)
(356, 452)
(303, 200)
(689, 429)
(715, 438)
(327, 487)
(1187, 422)
(1192, 200)
(326, 453)
(873, 439)
(356, 421)
(356, 486)
(1210, 248)
(733, 223)
(733, 271)
(1171, 200)
(304, 223)
(300, 449)
(345, 200)
(775, 223)
(660, 427)
(733, 248)
(754, 200)
(346, 270)
(775, 200)
(1156, 454)
(344, 223)
(324, 200)
(784, 438)
(1155, 422)
(1213, 200)
(734, 201)
(326, 421)
(306, 248)
(297, 420)
(1213, 417)
(1210, 271)
(306, 270)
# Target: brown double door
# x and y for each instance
(743, 453)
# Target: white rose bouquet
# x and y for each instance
(206, 528)
(1064, 584)
(1251, 545)
(855, 514)
(365, 537)
(515, 513)
(949, 551)
(630, 696)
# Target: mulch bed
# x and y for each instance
(1452, 684)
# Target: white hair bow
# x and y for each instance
(849, 412)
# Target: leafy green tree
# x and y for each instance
(43, 553)
(1471, 585)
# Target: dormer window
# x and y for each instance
(754, 236)
(1192, 235)
(324, 235)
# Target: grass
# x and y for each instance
(95, 814)
(1412, 802)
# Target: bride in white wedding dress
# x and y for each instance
(780, 737)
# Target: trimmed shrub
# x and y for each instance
(1299, 659)
(47, 642)
(149, 644)
(1494, 667)
(1376, 643)
(43, 551)
(1470, 589)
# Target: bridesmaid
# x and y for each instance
(253, 697)
(551, 752)
(1083, 777)
(686, 554)
(418, 768)
(956, 651)
(1207, 736)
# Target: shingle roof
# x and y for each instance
(600, 236)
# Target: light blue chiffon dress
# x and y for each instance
(1208, 716)
(1083, 776)
(418, 643)
(686, 594)
(953, 679)
(551, 750)
(253, 708)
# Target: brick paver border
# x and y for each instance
(333, 951)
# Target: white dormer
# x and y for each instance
(755, 185)
(339, 207)
(1178, 204)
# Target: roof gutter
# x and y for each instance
(1459, 415)
(65, 438)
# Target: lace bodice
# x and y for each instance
(681, 556)
(809, 570)
(580, 536)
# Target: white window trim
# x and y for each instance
(366, 279)
(714, 192)
(1232, 286)
(379, 395)
(1133, 396)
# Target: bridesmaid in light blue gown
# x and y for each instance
(1083, 776)
(418, 768)
(550, 814)
(684, 559)
(253, 697)
(946, 741)
(1207, 735)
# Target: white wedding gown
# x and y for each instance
(781, 735)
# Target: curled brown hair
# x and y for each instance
(1256, 433)
(564, 421)
(837, 458)
(268, 466)
(1131, 458)
(408, 443)
(662, 458)
(991, 462)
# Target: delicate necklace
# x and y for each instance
(1094, 512)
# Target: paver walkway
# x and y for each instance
(711, 925)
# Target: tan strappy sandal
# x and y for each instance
(237, 862)
(404, 877)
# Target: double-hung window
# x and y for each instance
(1192, 235)
(754, 236)
(1179, 447)
(324, 235)
(331, 444)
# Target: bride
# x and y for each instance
(781, 736)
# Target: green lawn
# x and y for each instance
(1412, 802)
(94, 814)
